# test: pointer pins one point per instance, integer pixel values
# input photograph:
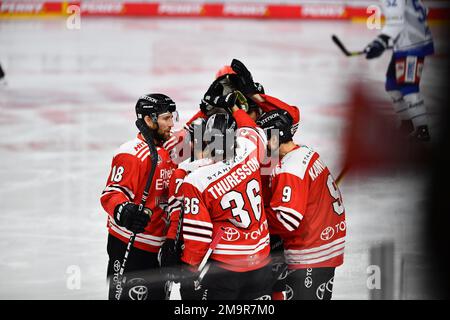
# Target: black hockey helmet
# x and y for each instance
(279, 120)
(153, 105)
(219, 135)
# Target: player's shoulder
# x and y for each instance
(206, 174)
(135, 147)
(178, 173)
(191, 166)
(298, 161)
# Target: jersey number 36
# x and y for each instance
(236, 201)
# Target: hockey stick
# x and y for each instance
(344, 49)
(145, 131)
(342, 174)
(177, 239)
(203, 267)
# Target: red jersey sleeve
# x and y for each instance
(249, 130)
(199, 114)
(197, 225)
(289, 201)
(122, 184)
(243, 119)
(175, 202)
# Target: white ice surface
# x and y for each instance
(69, 103)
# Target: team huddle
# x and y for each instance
(230, 206)
(236, 209)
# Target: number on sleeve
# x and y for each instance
(191, 205)
(287, 194)
(117, 174)
(178, 183)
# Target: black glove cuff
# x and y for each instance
(118, 212)
(384, 39)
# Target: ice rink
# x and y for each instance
(69, 103)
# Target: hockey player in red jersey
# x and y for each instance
(227, 194)
(169, 254)
(121, 197)
(260, 103)
(305, 210)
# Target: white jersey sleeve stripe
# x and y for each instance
(142, 151)
(288, 218)
(285, 223)
(198, 223)
(290, 210)
(145, 156)
(197, 230)
(194, 238)
(127, 192)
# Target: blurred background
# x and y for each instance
(75, 69)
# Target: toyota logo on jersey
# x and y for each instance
(230, 234)
(327, 234)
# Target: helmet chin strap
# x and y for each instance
(154, 132)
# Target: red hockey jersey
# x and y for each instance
(129, 172)
(306, 210)
(227, 195)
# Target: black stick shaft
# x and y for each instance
(344, 50)
(154, 162)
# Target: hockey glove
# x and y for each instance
(228, 101)
(377, 47)
(127, 215)
(169, 255)
(244, 80)
(215, 100)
